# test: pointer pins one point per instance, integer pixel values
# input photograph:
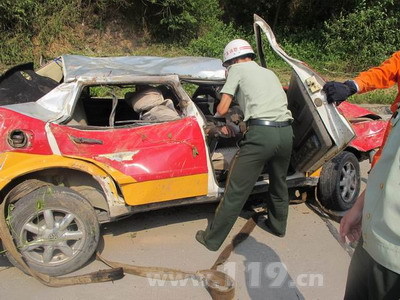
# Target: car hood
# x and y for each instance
(191, 68)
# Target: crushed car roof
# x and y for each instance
(203, 68)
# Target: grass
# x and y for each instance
(376, 97)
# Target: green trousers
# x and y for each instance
(260, 145)
(368, 280)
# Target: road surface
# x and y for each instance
(308, 263)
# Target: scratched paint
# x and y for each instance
(120, 156)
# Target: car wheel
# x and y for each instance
(55, 229)
(339, 183)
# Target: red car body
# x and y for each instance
(368, 126)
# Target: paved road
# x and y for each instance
(307, 264)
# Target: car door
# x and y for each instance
(320, 131)
(151, 163)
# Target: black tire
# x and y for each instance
(339, 182)
(55, 229)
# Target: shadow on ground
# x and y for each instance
(266, 276)
(159, 218)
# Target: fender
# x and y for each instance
(14, 165)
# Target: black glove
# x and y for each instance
(338, 92)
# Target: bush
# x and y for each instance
(365, 37)
(304, 46)
(213, 42)
(385, 96)
(16, 15)
(179, 20)
(29, 27)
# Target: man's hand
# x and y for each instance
(350, 225)
(338, 92)
(227, 131)
(220, 131)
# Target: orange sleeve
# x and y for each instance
(383, 76)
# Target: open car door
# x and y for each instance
(320, 131)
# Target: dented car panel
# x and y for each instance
(369, 135)
(32, 135)
(18, 165)
(75, 66)
(145, 153)
(353, 111)
(368, 126)
(52, 106)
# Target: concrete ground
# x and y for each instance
(308, 263)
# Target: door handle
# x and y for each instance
(82, 140)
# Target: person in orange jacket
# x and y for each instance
(384, 76)
(374, 271)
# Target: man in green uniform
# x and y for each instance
(268, 140)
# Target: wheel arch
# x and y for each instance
(355, 151)
(96, 185)
(360, 154)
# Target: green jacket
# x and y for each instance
(258, 92)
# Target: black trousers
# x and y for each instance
(261, 145)
(368, 280)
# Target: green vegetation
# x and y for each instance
(368, 34)
(376, 97)
(339, 38)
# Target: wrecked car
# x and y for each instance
(82, 153)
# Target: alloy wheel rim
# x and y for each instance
(52, 237)
(348, 182)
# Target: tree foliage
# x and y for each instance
(371, 33)
(358, 31)
(292, 15)
(177, 20)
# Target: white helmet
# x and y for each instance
(237, 48)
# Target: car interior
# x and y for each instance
(110, 106)
(222, 148)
